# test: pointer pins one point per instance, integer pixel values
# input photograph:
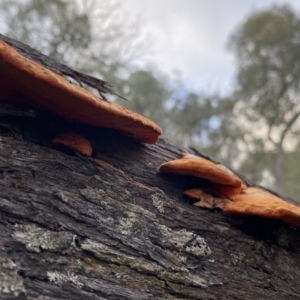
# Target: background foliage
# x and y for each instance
(255, 129)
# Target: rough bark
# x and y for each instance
(111, 227)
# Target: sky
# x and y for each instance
(190, 37)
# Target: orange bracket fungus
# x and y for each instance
(257, 202)
(22, 78)
(74, 142)
(235, 199)
(223, 181)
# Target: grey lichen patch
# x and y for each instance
(185, 241)
(58, 278)
(36, 238)
(127, 223)
(10, 281)
(158, 202)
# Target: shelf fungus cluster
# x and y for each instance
(24, 81)
(226, 191)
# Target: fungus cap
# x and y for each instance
(257, 202)
(74, 142)
(49, 91)
(227, 191)
(203, 168)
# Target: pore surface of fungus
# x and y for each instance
(257, 202)
(74, 142)
(29, 81)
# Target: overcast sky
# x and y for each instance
(191, 35)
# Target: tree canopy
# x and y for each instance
(255, 129)
(268, 60)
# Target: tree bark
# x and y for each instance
(112, 227)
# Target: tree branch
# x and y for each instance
(289, 124)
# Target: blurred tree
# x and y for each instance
(56, 28)
(95, 37)
(191, 117)
(149, 96)
(267, 52)
(293, 173)
(91, 36)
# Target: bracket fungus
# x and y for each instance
(223, 181)
(23, 79)
(257, 202)
(228, 193)
(73, 141)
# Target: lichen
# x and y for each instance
(36, 238)
(58, 278)
(185, 241)
(10, 281)
(127, 223)
(158, 202)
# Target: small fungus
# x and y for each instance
(257, 202)
(74, 142)
(223, 181)
(206, 200)
(27, 81)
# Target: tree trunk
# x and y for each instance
(112, 227)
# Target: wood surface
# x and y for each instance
(112, 227)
